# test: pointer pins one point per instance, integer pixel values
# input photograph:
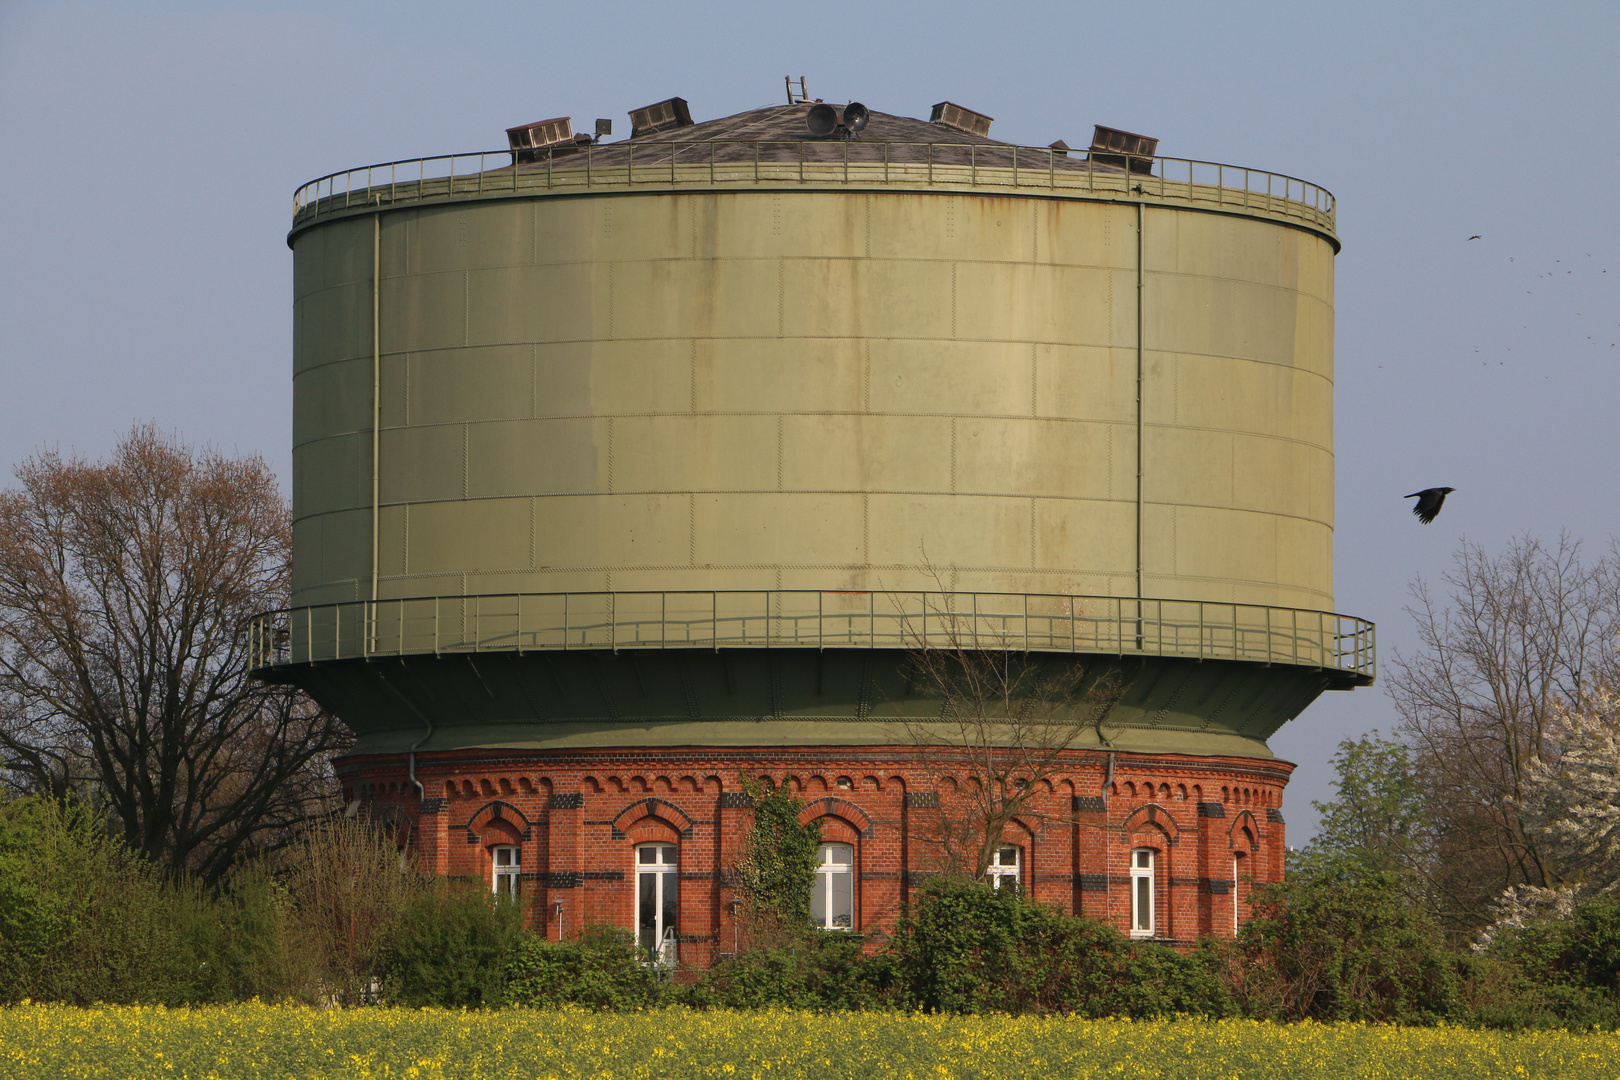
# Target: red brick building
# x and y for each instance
(578, 820)
(627, 471)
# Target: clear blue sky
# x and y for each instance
(148, 154)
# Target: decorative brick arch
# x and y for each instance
(498, 809)
(1031, 827)
(1244, 820)
(1143, 818)
(652, 807)
(832, 806)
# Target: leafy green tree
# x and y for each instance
(1378, 822)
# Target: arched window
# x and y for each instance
(1142, 889)
(1005, 865)
(657, 903)
(508, 860)
(832, 905)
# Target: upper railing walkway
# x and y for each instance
(810, 619)
(725, 163)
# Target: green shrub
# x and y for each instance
(966, 948)
(1344, 943)
(818, 970)
(448, 946)
(598, 970)
(82, 919)
(1552, 972)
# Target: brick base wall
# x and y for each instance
(1214, 825)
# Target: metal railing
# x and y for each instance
(492, 174)
(809, 619)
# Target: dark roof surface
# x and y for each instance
(786, 122)
(778, 133)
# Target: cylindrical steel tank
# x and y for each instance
(613, 449)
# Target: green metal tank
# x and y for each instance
(685, 439)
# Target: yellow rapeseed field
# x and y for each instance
(273, 1041)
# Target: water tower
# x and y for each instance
(626, 470)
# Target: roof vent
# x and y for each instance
(1124, 149)
(659, 116)
(528, 139)
(954, 116)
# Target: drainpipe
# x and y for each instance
(421, 792)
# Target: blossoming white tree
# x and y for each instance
(1572, 800)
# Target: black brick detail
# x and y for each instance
(433, 805)
(1217, 886)
(617, 833)
(1092, 882)
(1274, 815)
(922, 798)
(1211, 809)
(603, 875)
(736, 800)
(686, 833)
(472, 837)
(1087, 804)
(697, 875)
(694, 939)
(567, 800)
(561, 879)
(880, 875)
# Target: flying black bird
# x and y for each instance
(1429, 502)
(1476, 237)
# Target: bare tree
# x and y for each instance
(125, 590)
(1008, 719)
(1518, 635)
(348, 880)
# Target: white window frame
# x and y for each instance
(832, 877)
(506, 879)
(1001, 870)
(1238, 859)
(657, 874)
(1144, 892)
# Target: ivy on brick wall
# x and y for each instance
(778, 870)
